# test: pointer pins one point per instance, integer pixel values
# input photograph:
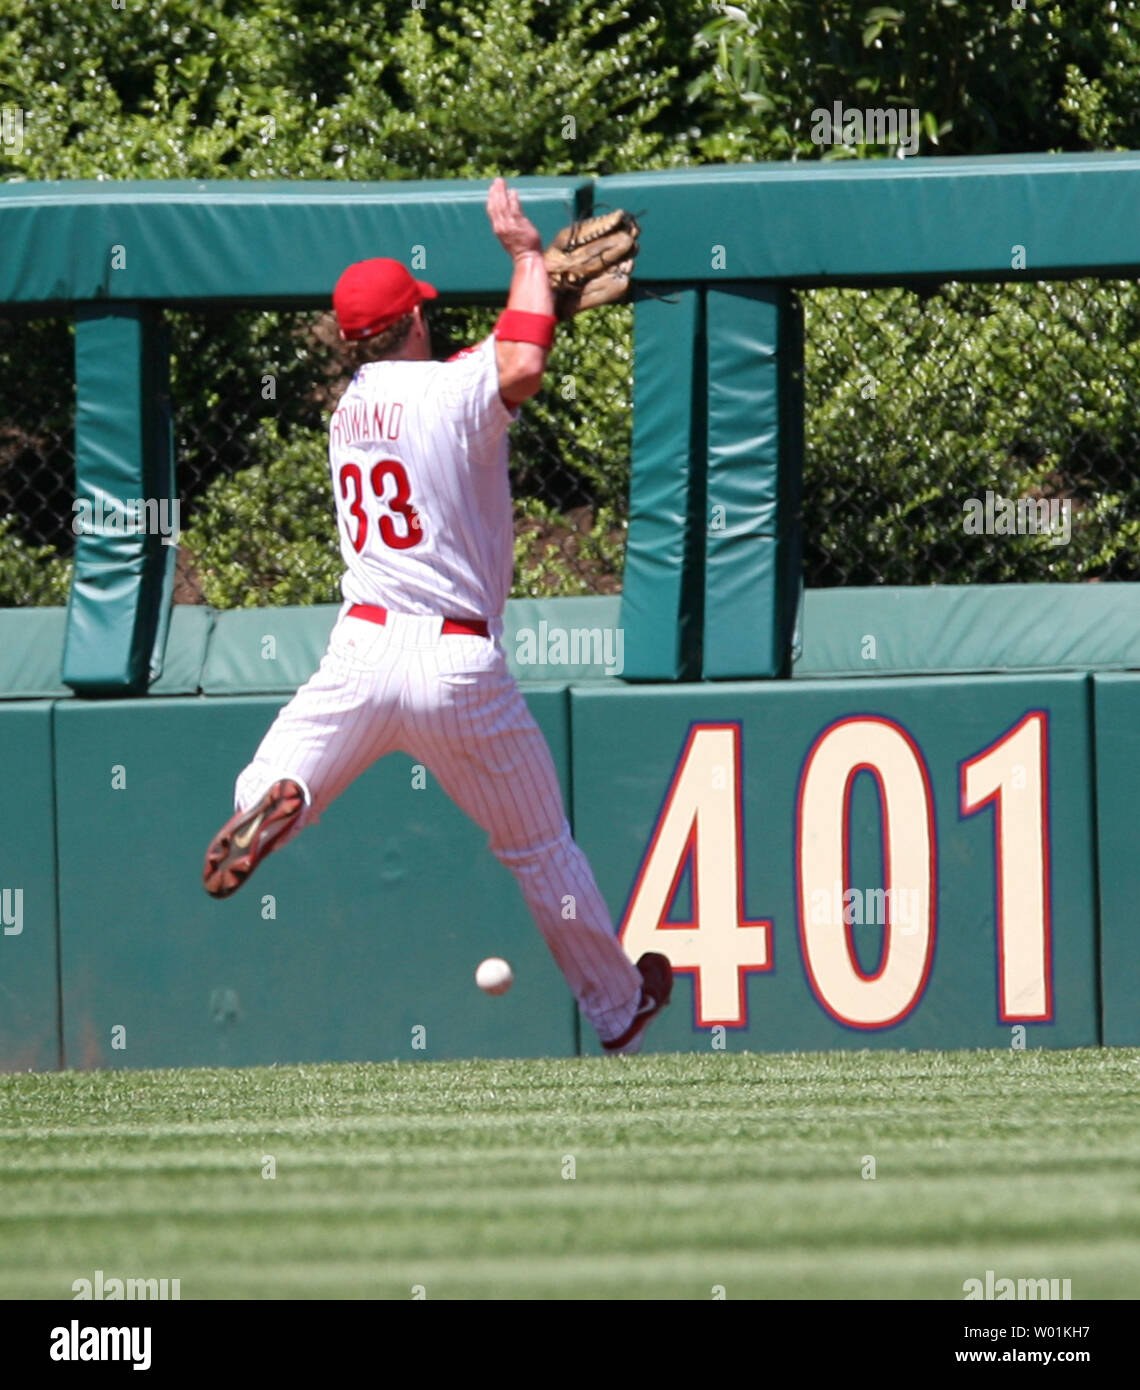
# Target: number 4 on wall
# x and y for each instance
(700, 826)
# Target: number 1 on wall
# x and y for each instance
(1010, 775)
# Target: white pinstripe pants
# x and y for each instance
(451, 703)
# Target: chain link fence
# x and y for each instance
(37, 460)
(959, 434)
(972, 434)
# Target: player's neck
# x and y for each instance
(417, 346)
(420, 352)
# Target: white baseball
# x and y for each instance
(494, 976)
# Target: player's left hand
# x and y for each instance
(516, 232)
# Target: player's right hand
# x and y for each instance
(516, 232)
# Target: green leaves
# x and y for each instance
(375, 89)
(880, 18)
(916, 405)
(985, 77)
(30, 575)
(290, 89)
(265, 535)
(170, 89)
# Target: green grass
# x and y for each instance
(690, 1172)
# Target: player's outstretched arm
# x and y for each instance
(521, 364)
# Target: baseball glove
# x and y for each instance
(589, 263)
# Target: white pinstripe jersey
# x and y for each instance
(418, 454)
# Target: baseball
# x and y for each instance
(494, 976)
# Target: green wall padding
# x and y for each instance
(29, 990)
(31, 652)
(974, 627)
(122, 457)
(266, 650)
(378, 908)
(565, 639)
(245, 240)
(1117, 705)
(858, 220)
(382, 911)
(184, 652)
(660, 605)
(950, 629)
(275, 650)
(927, 217)
(751, 572)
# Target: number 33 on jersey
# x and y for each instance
(419, 458)
(388, 510)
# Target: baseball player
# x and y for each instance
(418, 453)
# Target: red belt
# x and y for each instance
(470, 627)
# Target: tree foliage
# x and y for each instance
(397, 89)
(304, 89)
(177, 89)
(919, 403)
(987, 76)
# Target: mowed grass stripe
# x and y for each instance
(839, 1202)
(902, 1157)
(680, 1162)
(883, 1272)
(482, 1119)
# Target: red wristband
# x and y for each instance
(516, 326)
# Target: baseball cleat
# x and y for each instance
(247, 837)
(656, 991)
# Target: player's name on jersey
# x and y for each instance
(356, 420)
(133, 516)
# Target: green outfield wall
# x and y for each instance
(253, 242)
(891, 818)
(937, 861)
(29, 920)
(902, 863)
(358, 941)
(1117, 706)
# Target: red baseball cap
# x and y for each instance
(371, 295)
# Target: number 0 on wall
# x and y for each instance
(889, 754)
